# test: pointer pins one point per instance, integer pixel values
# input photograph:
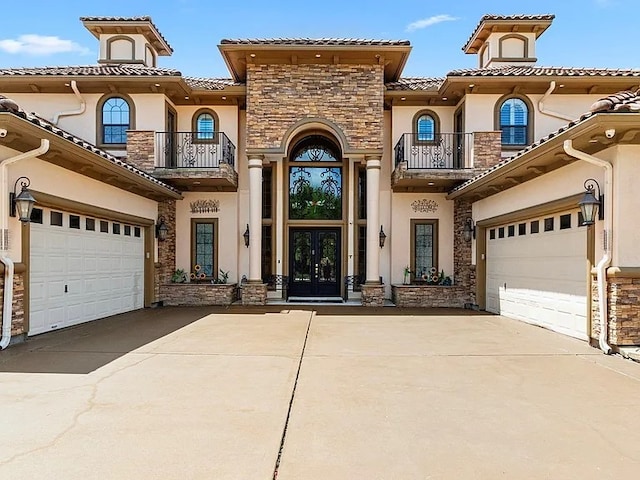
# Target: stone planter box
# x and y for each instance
(197, 294)
(430, 296)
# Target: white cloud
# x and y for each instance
(41, 45)
(427, 22)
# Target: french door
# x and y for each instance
(314, 262)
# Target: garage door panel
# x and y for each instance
(539, 278)
(100, 270)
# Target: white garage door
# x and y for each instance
(82, 269)
(537, 272)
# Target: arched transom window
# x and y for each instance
(205, 126)
(116, 120)
(514, 122)
(426, 128)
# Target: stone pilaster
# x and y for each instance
(464, 273)
(487, 149)
(17, 317)
(167, 249)
(141, 149)
(372, 295)
(623, 303)
(254, 294)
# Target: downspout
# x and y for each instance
(7, 311)
(541, 109)
(78, 111)
(605, 261)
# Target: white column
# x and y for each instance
(255, 218)
(373, 218)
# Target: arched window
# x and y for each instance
(514, 122)
(426, 126)
(204, 125)
(116, 120)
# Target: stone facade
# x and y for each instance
(464, 273)
(254, 294)
(429, 296)
(198, 294)
(228, 177)
(350, 96)
(624, 310)
(167, 249)
(141, 149)
(17, 318)
(487, 149)
(372, 295)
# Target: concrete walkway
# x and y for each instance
(333, 394)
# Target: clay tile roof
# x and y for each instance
(507, 19)
(8, 105)
(532, 71)
(92, 70)
(144, 18)
(416, 83)
(313, 41)
(201, 83)
(622, 102)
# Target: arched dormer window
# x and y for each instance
(205, 125)
(514, 120)
(115, 118)
(426, 126)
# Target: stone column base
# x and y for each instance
(254, 294)
(624, 309)
(372, 295)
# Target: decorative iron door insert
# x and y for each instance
(314, 262)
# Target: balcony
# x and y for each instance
(433, 163)
(196, 160)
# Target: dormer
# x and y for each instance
(128, 40)
(507, 40)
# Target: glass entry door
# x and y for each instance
(314, 262)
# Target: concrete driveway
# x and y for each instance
(340, 393)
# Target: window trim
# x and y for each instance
(116, 38)
(519, 37)
(436, 127)
(216, 242)
(100, 126)
(216, 126)
(530, 120)
(436, 253)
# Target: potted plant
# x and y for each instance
(179, 276)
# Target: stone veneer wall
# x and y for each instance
(17, 318)
(351, 96)
(624, 310)
(487, 149)
(195, 294)
(372, 295)
(254, 294)
(141, 149)
(429, 296)
(464, 273)
(167, 249)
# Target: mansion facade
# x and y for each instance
(317, 172)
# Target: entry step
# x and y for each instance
(316, 299)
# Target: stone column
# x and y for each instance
(373, 219)
(255, 218)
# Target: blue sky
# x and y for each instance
(585, 33)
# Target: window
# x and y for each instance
(104, 226)
(548, 224)
(535, 226)
(565, 221)
(426, 126)
(511, 230)
(90, 224)
(36, 215)
(424, 254)
(74, 221)
(501, 232)
(56, 219)
(127, 230)
(205, 123)
(204, 235)
(522, 229)
(513, 119)
(492, 234)
(136, 232)
(116, 120)
(116, 229)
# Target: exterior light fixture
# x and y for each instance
(469, 230)
(247, 236)
(382, 236)
(22, 204)
(161, 229)
(591, 203)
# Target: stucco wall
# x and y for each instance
(400, 240)
(402, 120)
(229, 231)
(227, 117)
(626, 234)
(350, 96)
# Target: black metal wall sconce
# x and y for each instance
(591, 204)
(469, 230)
(161, 229)
(22, 204)
(382, 237)
(247, 236)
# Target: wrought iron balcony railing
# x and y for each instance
(193, 150)
(439, 151)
